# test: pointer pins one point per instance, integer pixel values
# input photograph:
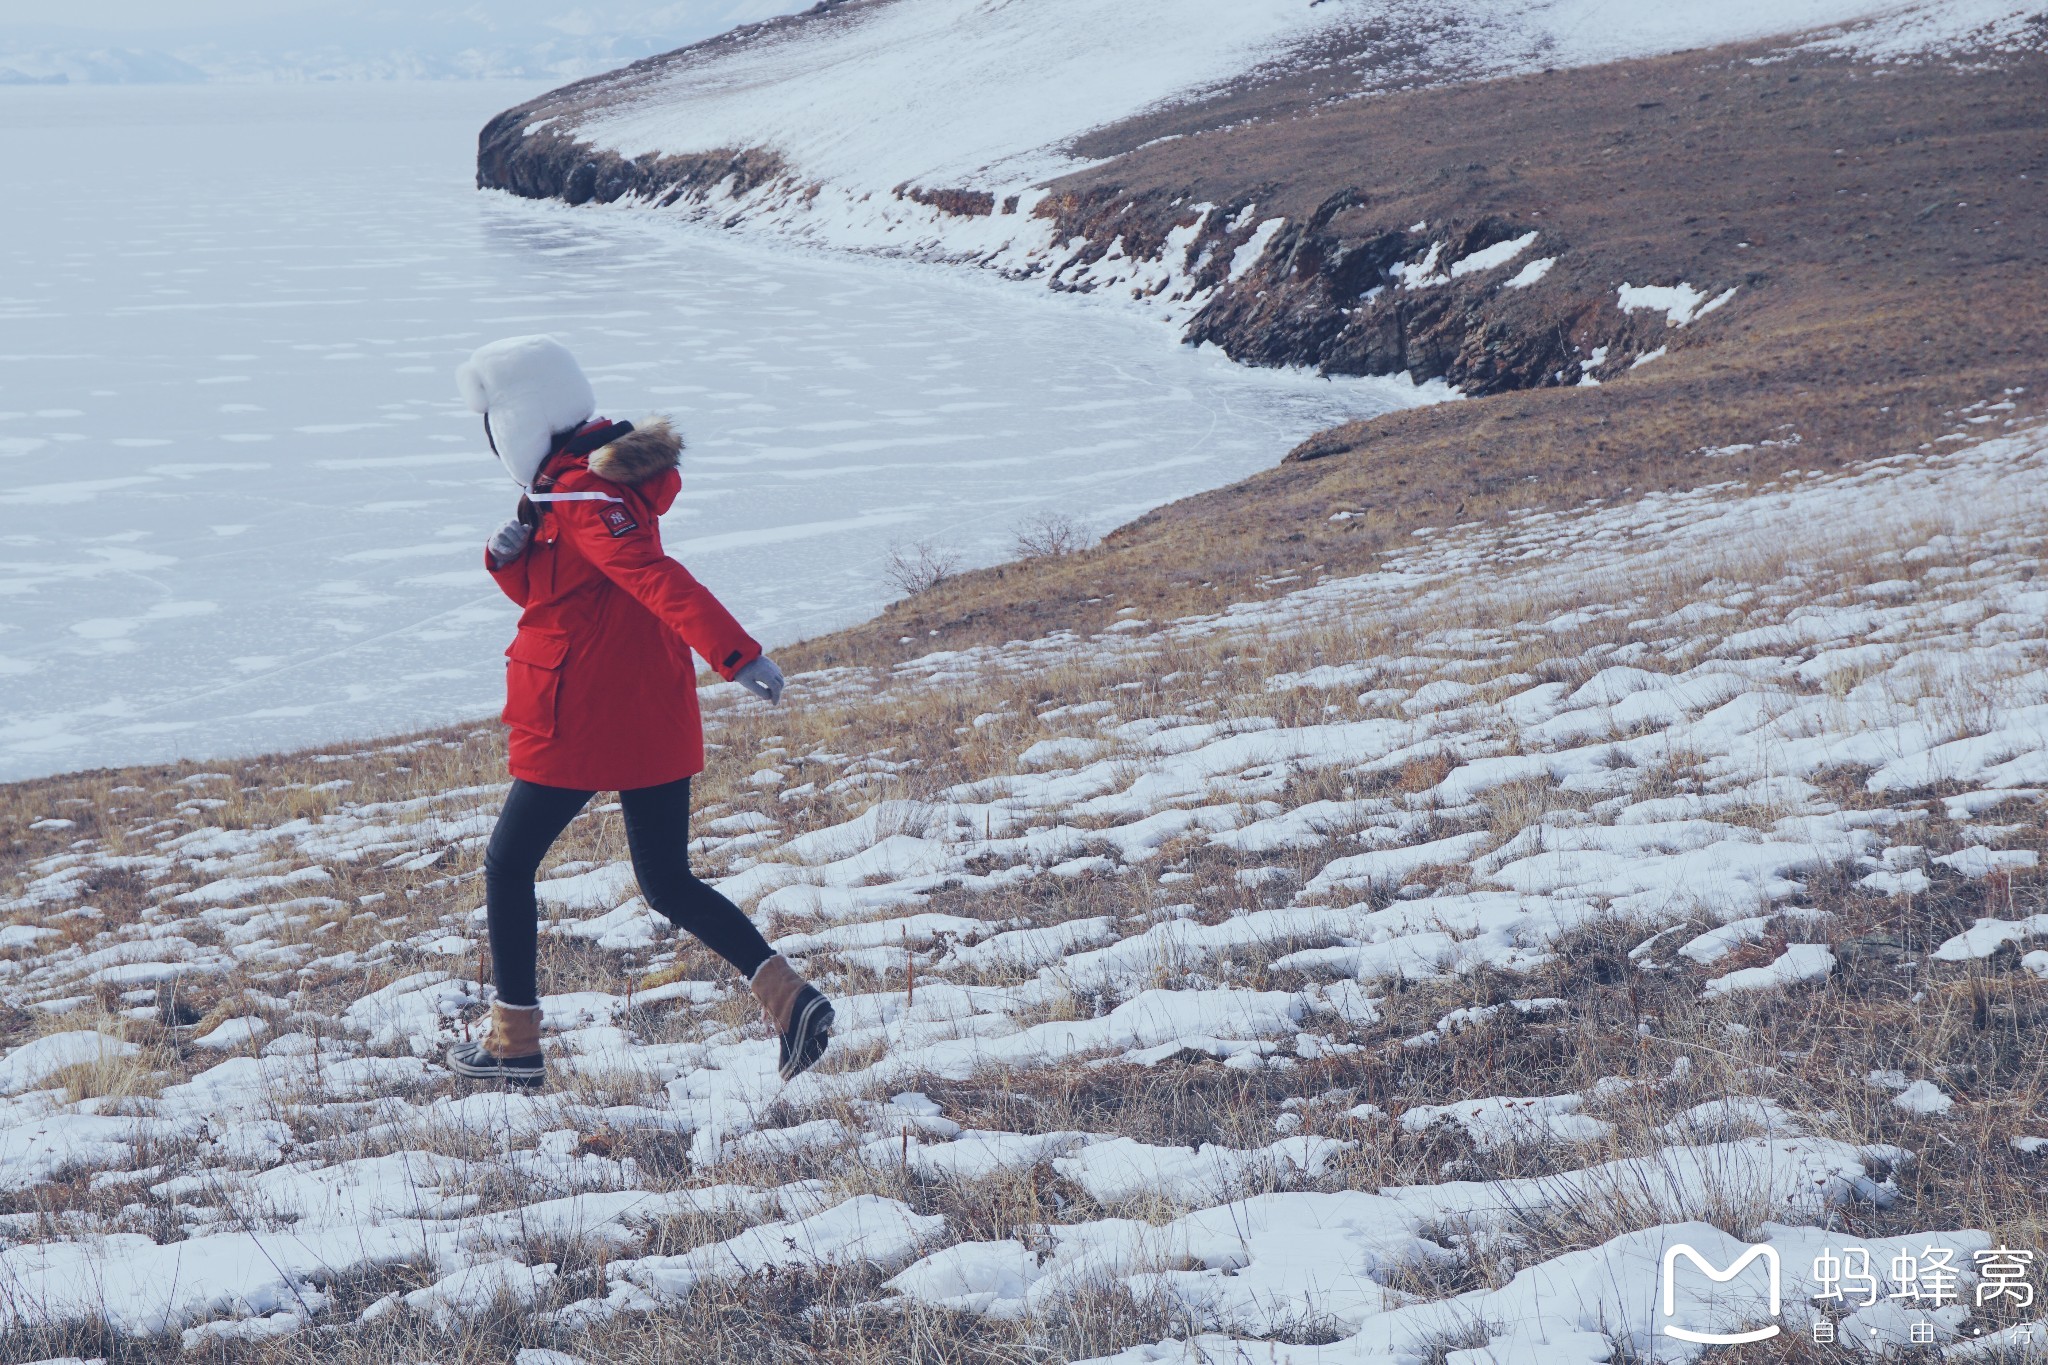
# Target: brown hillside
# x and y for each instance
(1884, 228)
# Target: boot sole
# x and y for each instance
(521, 1071)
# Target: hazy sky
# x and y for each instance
(135, 16)
(312, 19)
(356, 37)
(138, 16)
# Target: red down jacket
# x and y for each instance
(600, 687)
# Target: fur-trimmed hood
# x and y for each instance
(639, 455)
(529, 390)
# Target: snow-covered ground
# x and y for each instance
(1680, 715)
(243, 505)
(887, 98)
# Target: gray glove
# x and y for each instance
(762, 678)
(509, 542)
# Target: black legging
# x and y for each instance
(658, 835)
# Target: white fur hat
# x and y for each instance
(528, 389)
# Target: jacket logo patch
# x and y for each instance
(618, 521)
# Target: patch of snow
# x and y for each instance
(1799, 962)
(1500, 1121)
(1054, 753)
(1925, 1098)
(864, 1230)
(1500, 253)
(34, 1062)
(1114, 1170)
(1680, 303)
(1977, 862)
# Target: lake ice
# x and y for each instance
(242, 507)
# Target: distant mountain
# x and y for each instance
(104, 65)
(534, 39)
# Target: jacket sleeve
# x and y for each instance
(511, 579)
(629, 553)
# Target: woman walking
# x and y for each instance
(601, 688)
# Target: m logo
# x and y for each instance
(1769, 1256)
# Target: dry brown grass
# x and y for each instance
(1977, 1028)
(1874, 304)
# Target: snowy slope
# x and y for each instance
(945, 92)
(1676, 774)
(987, 95)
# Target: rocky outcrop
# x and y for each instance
(1337, 300)
(528, 150)
(1342, 292)
(959, 203)
(545, 164)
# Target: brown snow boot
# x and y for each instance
(800, 1016)
(509, 1052)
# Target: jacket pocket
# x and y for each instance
(533, 681)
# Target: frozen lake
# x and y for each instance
(242, 507)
